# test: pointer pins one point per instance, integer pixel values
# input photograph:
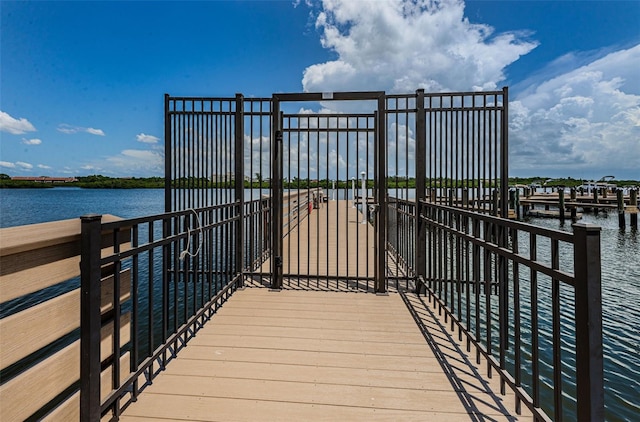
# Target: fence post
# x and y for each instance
(421, 174)
(380, 189)
(504, 155)
(276, 194)
(588, 320)
(239, 185)
(168, 155)
(90, 274)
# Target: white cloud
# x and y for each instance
(147, 139)
(17, 165)
(42, 166)
(15, 126)
(586, 120)
(69, 129)
(34, 141)
(402, 45)
(23, 165)
(93, 131)
(137, 162)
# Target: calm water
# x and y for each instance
(620, 270)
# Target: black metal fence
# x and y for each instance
(182, 267)
(526, 297)
(438, 164)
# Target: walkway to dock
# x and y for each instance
(312, 355)
(315, 352)
(331, 241)
(327, 245)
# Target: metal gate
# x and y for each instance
(330, 234)
(446, 148)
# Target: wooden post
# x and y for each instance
(512, 199)
(633, 202)
(518, 213)
(561, 206)
(595, 201)
(465, 197)
(620, 198)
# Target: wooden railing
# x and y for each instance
(40, 324)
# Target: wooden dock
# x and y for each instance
(312, 355)
(303, 353)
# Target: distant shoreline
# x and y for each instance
(104, 182)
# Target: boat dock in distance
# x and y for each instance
(538, 204)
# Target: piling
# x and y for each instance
(620, 198)
(517, 206)
(512, 199)
(561, 206)
(574, 210)
(633, 208)
(595, 201)
(465, 197)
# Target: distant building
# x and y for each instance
(45, 179)
(225, 177)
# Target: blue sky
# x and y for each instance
(82, 83)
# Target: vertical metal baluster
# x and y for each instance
(135, 346)
(487, 260)
(535, 348)
(557, 345)
(517, 321)
(476, 277)
(314, 212)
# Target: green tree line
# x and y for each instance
(394, 182)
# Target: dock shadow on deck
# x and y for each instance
(322, 355)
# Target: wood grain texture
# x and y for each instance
(23, 395)
(67, 411)
(37, 256)
(28, 331)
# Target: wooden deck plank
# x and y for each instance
(274, 370)
(216, 409)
